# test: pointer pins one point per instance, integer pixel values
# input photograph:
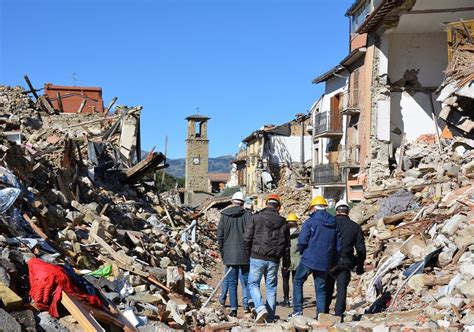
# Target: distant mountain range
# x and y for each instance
(218, 165)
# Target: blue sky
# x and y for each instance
(244, 63)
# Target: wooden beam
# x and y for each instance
(43, 235)
(32, 89)
(112, 102)
(389, 219)
(83, 316)
(60, 102)
(81, 107)
(46, 105)
(125, 260)
(92, 121)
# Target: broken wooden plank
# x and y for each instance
(169, 216)
(389, 191)
(46, 105)
(389, 219)
(114, 318)
(149, 164)
(81, 107)
(9, 298)
(42, 234)
(93, 121)
(60, 102)
(125, 260)
(32, 89)
(112, 102)
(83, 316)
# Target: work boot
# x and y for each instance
(233, 313)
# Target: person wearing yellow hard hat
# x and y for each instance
(317, 243)
(293, 225)
(319, 203)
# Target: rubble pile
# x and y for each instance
(420, 239)
(419, 233)
(424, 163)
(294, 200)
(71, 195)
(456, 93)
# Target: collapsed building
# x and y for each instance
(408, 73)
(84, 242)
(273, 153)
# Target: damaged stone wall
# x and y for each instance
(378, 158)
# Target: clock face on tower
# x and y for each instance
(196, 160)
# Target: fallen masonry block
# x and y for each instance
(9, 298)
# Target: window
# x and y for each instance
(362, 12)
(198, 129)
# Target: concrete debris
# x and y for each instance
(457, 91)
(72, 194)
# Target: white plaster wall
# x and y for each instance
(288, 149)
(411, 113)
(424, 51)
(333, 86)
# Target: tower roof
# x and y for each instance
(197, 117)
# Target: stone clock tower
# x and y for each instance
(197, 155)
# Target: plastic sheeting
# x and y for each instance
(8, 196)
(391, 263)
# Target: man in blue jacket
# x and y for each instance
(318, 244)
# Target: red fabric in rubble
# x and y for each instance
(47, 281)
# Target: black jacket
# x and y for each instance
(268, 237)
(230, 235)
(351, 237)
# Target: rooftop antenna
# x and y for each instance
(197, 110)
(74, 79)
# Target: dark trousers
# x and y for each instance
(286, 282)
(341, 280)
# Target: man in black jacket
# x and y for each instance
(351, 236)
(230, 236)
(267, 240)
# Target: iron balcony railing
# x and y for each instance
(349, 155)
(324, 123)
(327, 174)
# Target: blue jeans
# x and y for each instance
(262, 268)
(302, 273)
(238, 272)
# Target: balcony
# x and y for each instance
(327, 175)
(349, 156)
(327, 124)
(350, 102)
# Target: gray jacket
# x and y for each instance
(230, 235)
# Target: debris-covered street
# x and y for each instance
(100, 230)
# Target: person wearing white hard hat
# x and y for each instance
(230, 237)
(351, 237)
